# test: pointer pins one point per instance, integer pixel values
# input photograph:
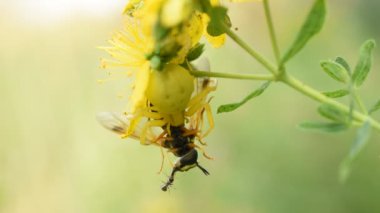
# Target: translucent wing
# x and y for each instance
(119, 122)
(204, 82)
(204, 86)
(116, 122)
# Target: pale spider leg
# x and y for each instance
(190, 132)
(132, 125)
(160, 137)
(203, 152)
(204, 106)
(197, 101)
(168, 129)
(162, 159)
(152, 115)
(199, 121)
(169, 150)
(198, 110)
(198, 98)
(201, 140)
(137, 118)
(170, 162)
(201, 95)
(159, 116)
(210, 120)
(192, 109)
(195, 121)
(158, 141)
(200, 118)
(149, 124)
(194, 106)
(209, 114)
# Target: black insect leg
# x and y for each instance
(203, 169)
(170, 181)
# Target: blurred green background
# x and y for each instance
(55, 157)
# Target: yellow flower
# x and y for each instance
(215, 41)
(164, 96)
(214, 2)
(153, 47)
(243, 0)
(132, 6)
(174, 12)
(149, 14)
(169, 13)
(180, 18)
(129, 49)
(182, 39)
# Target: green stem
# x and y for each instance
(359, 101)
(251, 51)
(298, 85)
(316, 95)
(272, 33)
(232, 75)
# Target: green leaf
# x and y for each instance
(219, 20)
(375, 107)
(195, 52)
(324, 127)
(234, 106)
(364, 64)
(333, 113)
(344, 64)
(360, 141)
(337, 93)
(335, 70)
(311, 27)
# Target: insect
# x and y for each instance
(180, 142)
(180, 139)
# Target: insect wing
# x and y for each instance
(204, 82)
(119, 122)
(114, 121)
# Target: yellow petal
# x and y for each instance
(174, 12)
(138, 97)
(216, 41)
(132, 6)
(214, 2)
(185, 42)
(148, 14)
(243, 0)
(194, 28)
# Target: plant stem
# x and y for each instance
(251, 51)
(316, 95)
(359, 101)
(298, 85)
(272, 33)
(232, 75)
